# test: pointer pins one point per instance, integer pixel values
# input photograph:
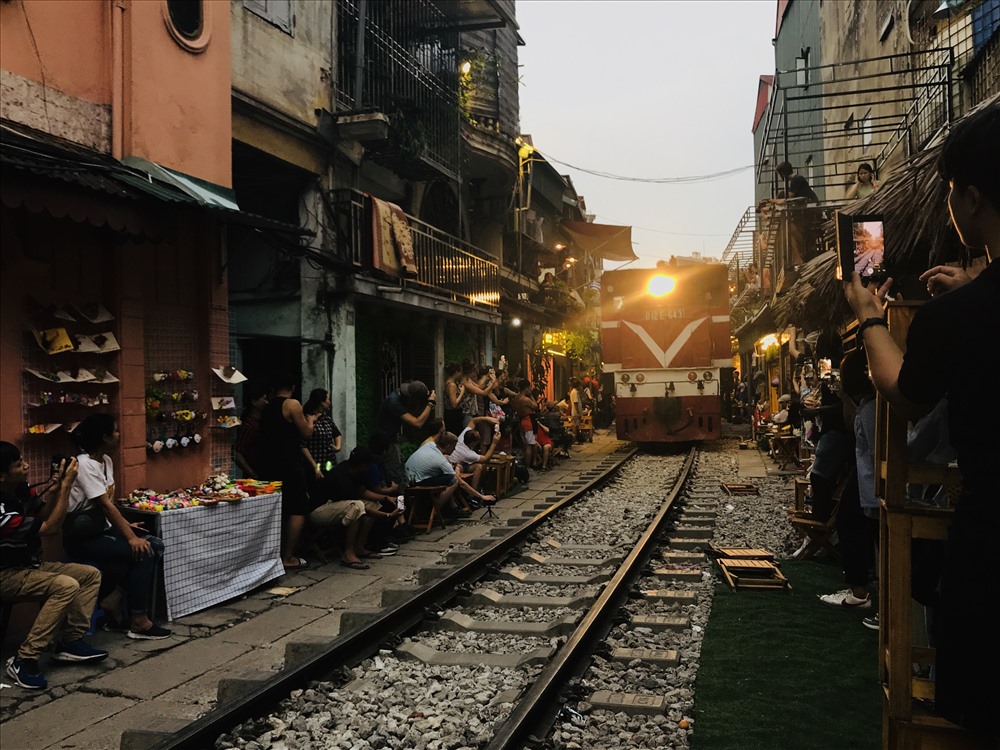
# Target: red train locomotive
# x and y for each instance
(665, 337)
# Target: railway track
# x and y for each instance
(500, 652)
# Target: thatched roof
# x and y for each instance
(918, 235)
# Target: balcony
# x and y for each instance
(447, 267)
(400, 59)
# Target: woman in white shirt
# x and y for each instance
(96, 532)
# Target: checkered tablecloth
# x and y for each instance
(215, 553)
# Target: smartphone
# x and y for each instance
(860, 247)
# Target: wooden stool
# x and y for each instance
(423, 500)
(801, 490)
(786, 450)
(498, 474)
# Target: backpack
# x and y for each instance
(521, 472)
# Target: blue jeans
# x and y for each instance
(111, 554)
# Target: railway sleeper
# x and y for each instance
(695, 532)
(556, 544)
(602, 562)
(670, 596)
(517, 574)
(629, 703)
(677, 574)
(428, 655)
(658, 623)
(654, 656)
(486, 597)
(686, 543)
(452, 620)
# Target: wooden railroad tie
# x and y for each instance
(739, 489)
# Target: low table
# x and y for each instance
(216, 552)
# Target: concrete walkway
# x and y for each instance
(144, 684)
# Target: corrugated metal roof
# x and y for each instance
(101, 173)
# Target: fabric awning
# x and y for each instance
(608, 241)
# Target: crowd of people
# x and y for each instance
(66, 544)
(939, 383)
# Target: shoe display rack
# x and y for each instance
(908, 719)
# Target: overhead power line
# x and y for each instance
(654, 180)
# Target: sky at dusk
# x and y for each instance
(649, 89)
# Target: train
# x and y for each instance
(665, 339)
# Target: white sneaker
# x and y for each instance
(846, 599)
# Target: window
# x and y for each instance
(186, 16)
(802, 68)
(277, 12)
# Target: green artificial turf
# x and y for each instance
(783, 671)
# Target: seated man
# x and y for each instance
(342, 493)
(428, 467)
(466, 456)
(554, 420)
(68, 592)
(781, 417)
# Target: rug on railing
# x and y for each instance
(391, 240)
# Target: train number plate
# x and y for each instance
(669, 313)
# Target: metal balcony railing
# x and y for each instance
(447, 266)
(391, 58)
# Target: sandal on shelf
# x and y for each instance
(355, 565)
(300, 564)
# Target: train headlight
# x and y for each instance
(707, 376)
(640, 378)
(661, 286)
(625, 377)
(692, 376)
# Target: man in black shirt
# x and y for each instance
(796, 186)
(952, 350)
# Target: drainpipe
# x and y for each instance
(117, 78)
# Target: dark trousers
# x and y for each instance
(857, 533)
(823, 490)
(968, 660)
(111, 554)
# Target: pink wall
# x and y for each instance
(174, 101)
(177, 102)
(73, 39)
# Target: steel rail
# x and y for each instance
(539, 706)
(357, 645)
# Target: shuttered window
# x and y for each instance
(277, 12)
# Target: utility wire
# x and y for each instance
(655, 180)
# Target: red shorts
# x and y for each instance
(542, 438)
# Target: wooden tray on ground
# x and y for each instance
(741, 553)
(734, 488)
(752, 574)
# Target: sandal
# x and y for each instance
(369, 555)
(300, 564)
(355, 565)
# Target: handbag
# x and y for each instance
(84, 524)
